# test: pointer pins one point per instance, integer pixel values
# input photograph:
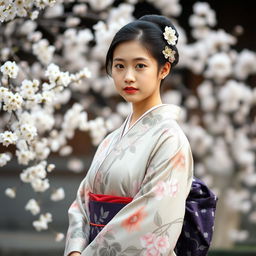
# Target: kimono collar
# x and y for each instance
(171, 111)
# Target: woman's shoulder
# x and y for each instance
(171, 132)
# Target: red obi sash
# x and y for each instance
(109, 198)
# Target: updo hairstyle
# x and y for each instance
(148, 30)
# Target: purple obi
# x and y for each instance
(197, 231)
(198, 226)
(102, 209)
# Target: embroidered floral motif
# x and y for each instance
(151, 251)
(104, 145)
(152, 119)
(147, 240)
(133, 222)
(162, 243)
(179, 160)
(154, 243)
(85, 194)
(168, 188)
(107, 232)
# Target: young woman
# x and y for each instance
(132, 200)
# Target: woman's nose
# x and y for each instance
(129, 76)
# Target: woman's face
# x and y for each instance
(133, 66)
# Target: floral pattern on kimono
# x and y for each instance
(152, 163)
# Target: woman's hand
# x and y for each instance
(74, 254)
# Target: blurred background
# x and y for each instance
(214, 83)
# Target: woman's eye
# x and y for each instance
(140, 65)
(119, 66)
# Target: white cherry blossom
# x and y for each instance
(43, 51)
(75, 165)
(168, 7)
(219, 67)
(232, 94)
(59, 237)
(58, 194)
(50, 167)
(10, 192)
(99, 4)
(12, 102)
(7, 138)
(245, 64)
(42, 222)
(24, 156)
(10, 68)
(32, 206)
(4, 158)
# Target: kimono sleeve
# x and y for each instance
(78, 230)
(152, 222)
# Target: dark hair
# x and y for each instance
(148, 30)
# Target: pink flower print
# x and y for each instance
(160, 189)
(133, 222)
(86, 195)
(162, 243)
(147, 240)
(103, 145)
(98, 178)
(179, 160)
(172, 187)
(152, 251)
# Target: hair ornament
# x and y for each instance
(170, 36)
(169, 54)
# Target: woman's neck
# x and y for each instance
(140, 107)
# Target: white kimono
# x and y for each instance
(152, 162)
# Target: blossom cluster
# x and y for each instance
(155, 245)
(104, 31)
(10, 69)
(36, 176)
(202, 18)
(42, 222)
(33, 120)
(43, 51)
(168, 7)
(10, 9)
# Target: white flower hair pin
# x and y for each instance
(171, 38)
(169, 54)
(169, 35)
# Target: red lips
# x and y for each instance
(130, 88)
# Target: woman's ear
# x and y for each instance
(165, 70)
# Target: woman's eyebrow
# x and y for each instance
(135, 59)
